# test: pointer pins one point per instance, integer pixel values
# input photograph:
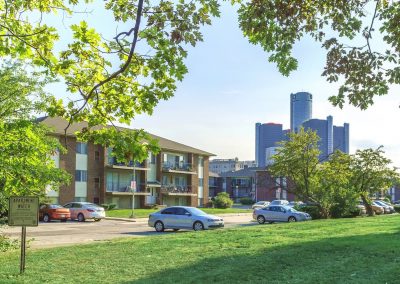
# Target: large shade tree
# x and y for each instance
(361, 37)
(108, 79)
(371, 174)
(26, 166)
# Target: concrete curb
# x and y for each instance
(122, 219)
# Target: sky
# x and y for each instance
(231, 86)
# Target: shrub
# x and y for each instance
(8, 244)
(222, 200)
(112, 206)
(105, 206)
(313, 210)
(246, 201)
(397, 208)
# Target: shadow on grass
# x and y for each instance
(373, 258)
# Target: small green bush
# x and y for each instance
(246, 201)
(397, 208)
(222, 200)
(7, 244)
(112, 206)
(105, 206)
(313, 210)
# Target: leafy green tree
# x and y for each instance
(26, 167)
(324, 184)
(361, 39)
(371, 174)
(108, 79)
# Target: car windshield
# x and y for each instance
(196, 211)
(290, 209)
(260, 202)
(55, 206)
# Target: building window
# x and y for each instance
(81, 175)
(200, 202)
(201, 181)
(96, 155)
(151, 159)
(80, 199)
(81, 148)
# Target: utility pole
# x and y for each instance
(133, 189)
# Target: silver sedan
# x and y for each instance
(183, 217)
(279, 213)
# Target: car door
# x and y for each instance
(183, 218)
(274, 213)
(280, 214)
(168, 217)
(268, 213)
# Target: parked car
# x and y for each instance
(85, 210)
(296, 203)
(260, 204)
(279, 213)
(378, 210)
(279, 202)
(362, 208)
(388, 208)
(48, 212)
(183, 217)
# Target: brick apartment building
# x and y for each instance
(178, 175)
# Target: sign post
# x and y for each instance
(23, 211)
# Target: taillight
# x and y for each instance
(91, 210)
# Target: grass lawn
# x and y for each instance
(144, 213)
(361, 250)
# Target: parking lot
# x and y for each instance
(58, 234)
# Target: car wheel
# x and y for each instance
(198, 226)
(159, 226)
(64, 220)
(261, 219)
(46, 218)
(292, 219)
(81, 218)
(97, 220)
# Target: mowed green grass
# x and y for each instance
(360, 250)
(144, 213)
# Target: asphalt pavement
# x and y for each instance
(56, 233)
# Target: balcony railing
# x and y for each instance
(181, 166)
(113, 162)
(113, 187)
(176, 188)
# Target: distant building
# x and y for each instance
(331, 137)
(267, 135)
(341, 138)
(219, 166)
(300, 109)
(268, 188)
(269, 152)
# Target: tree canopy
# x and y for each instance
(26, 166)
(362, 39)
(108, 79)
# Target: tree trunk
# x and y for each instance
(367, 205)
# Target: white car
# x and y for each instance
(85, 210)
(279, 202)
(260, 204)
(183, 217)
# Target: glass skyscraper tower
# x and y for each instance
(300, 109)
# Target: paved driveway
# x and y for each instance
(58, 234)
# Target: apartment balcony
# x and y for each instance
(112, 163)
(182, 168)
(178, 190)
(118, 189)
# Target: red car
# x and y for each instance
(48, 212)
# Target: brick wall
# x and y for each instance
(67, 162)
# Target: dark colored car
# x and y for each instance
(48, 212)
